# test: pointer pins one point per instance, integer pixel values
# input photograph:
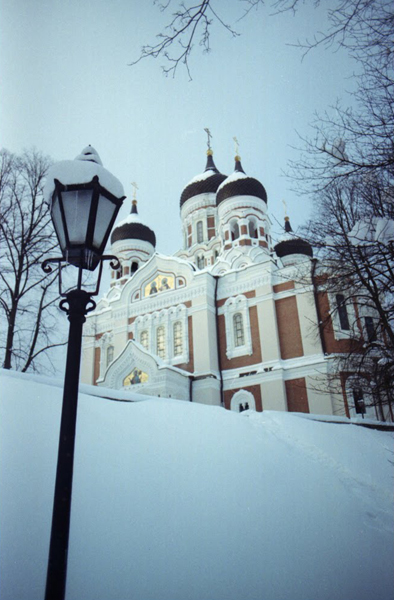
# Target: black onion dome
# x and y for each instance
(239, 184)
(207, 182)
(291, 244)
(132, 228)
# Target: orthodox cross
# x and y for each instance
(285, 206)
(207, 131)
(236, 145)
(135, 186)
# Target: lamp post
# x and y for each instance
(85, 200)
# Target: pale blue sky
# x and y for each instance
(66, 83)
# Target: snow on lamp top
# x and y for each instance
(81, 170)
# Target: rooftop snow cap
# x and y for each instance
(207, 182)
(132, 228)
(291, 244)
(89, 154)
(81, 170)
(239, 184)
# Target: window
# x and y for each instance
(358, 398)
(160, 342)
(178, 339)
(238, 331)
(200, 262)
(200, 236)
(119, 273)
(110, 355)
(239, 338)
(144, 339)
(370, 329)
(342, 312)
(234, 230)
(252, 229)
(134, 267)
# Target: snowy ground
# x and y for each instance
(179, 501)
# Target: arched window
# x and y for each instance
(216, 254)
(252, 229)
(200, 262)
(119, 273)
(134, 267)
(110, 355)
(234, 230)
(239, 338)
(342, 312)
(178, 339)
(160, 342)
(200, 236)
(360, 398)
(144, 339)
(370, 329)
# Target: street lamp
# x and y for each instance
(84, 199)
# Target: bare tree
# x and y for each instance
(191, 21)
(28, 297)
(353, 232)
(363, 27)
(347, 167)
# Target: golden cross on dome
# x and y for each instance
(236, 145)
(135, 186)
(285, 207)
(209, 134)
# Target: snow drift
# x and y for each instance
(179, 501)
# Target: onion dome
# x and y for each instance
(206, 183)
(132, 228)
(240, 184)
(291, 244)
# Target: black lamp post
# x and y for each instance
(83, 215)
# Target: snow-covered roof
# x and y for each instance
(202, 176)
(233, 177)
(377, 229)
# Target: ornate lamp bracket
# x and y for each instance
(62, 262)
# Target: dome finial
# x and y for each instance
(209, 134)
(238, 167)
(288, 228)
(237, 157)
(134, 201)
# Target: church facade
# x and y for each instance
(231, 319)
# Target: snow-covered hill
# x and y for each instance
(179, 501)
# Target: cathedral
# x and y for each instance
(232, 319)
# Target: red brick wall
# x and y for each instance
(289, 328)
(211, 227)
(333, 345)
(297, 396)
(283, 287)
(96, 371)
(241, 361)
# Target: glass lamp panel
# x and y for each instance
(76, 209)
(58, 222)
(105, 212)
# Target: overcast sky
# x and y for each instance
(66, 83)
